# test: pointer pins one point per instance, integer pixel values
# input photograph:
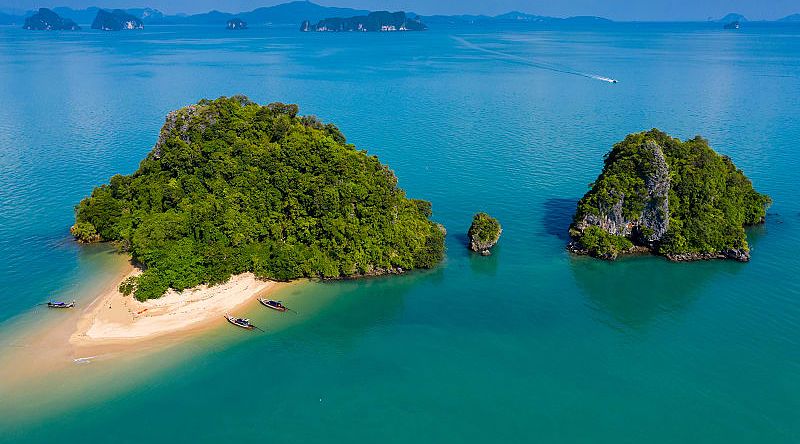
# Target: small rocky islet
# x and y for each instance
(484, 232)
(677, 199)
(116, 20)
(48, 20)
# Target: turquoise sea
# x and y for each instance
(528, 345)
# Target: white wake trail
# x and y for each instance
(524, 61)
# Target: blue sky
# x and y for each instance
(615, 9)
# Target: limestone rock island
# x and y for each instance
(677, 199)
(379, 21)
(484, 233)
(233, 187)
(48, 20)
(116, 20)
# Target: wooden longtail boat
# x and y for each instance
(240, 322)
(275, 305)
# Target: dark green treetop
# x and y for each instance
(233, 187)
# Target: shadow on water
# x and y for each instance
(558, 216)
(352, 308)
(461, 238)
(485, 265)
(634, 292)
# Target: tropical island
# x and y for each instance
(116, 20)
(484, 232)
(657, 194)
(232, 187)
(47, 20)
(379, 21)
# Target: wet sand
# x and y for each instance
(118, 327)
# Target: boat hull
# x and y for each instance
(233, 321)
(268, 305)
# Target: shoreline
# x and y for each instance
(115, 321)
(113, 327)
(107, 331)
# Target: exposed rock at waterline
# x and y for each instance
(678, 199)
(484, 233)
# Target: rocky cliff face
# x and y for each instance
(678, 199)
(177, 125)
(648, 226)
(199, 117)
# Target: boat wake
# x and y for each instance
(528, 62)
(605, 79)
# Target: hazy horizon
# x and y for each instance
(659, 10)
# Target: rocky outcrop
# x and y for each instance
(740, 255)
(652, 223)
(47, 20)
(628, 210)
(116, 20)
(379, 21)
(200, 117)
(484, 233)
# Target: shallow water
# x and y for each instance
(528, 344)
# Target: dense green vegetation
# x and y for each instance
(233, 187)
(484, 228)
(601, 243)
(710, 201)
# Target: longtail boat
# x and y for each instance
(240, 322)
(275, 305)
(57, 304)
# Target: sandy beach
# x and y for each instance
(117, 319)
(118, 328)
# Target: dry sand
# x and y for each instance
(117, 319)
(118, 327)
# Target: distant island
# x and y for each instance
(47, 20)
(513, 18)
(296, 12)
(116, 20)
(733, 17)
(236, 24)
(677, 199)
(233, 187)
(380, 21)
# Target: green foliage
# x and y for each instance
(84, 232)
(601, 243)
(710, 200)
(484, 228)
(233, 187)
(128, 286)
